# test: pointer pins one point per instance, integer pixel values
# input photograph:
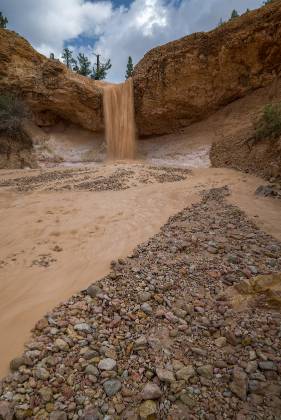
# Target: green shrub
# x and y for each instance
(269, 125)
(12, 113)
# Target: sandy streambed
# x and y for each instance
(61, 233)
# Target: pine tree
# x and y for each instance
(84, 66)
(68, 60)
(100, 69)
(3, 21)
(234, 14)
(130, 68)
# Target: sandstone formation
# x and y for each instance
(186, 80)
(52, 92)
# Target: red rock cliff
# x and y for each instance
(186, 80)
(51, 90)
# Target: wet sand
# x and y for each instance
(55, 243)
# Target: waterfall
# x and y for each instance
(118, 102)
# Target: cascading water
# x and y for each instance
(118, 102)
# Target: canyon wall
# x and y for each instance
(52, 91)
(186, 80)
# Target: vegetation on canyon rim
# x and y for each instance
(13, 111)
(269, 124)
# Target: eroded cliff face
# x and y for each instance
(48, 87)
(186, 80)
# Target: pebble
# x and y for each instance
(151, 391)
(147, 409)
(165, 375)
(61, 344)
(111, 387)
(107, 364)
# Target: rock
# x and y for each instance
(147, 408)
(185, 373)
(165, 375)
(41, 324)
(61, 344)
(41, 373)
(6, 411)
(94, 290)
(91, 370)
(146, 308)
(187, 400)
(92, 413)
(84, 327)
(144, 296)
(239, 384)
(46, 394)
(111, 387)
(63, 94)
(206, 371)
(140, 343)
(16, 363)
(58, 415)
(187, 91)
(267, 365)
(220, 342)
(107, 364)
(151, 391)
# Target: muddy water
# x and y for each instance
(91, 229)
(118, 101)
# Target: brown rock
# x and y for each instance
(6, 412)
(51, 90)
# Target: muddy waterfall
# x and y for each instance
(118, 101)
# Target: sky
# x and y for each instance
(116, 29)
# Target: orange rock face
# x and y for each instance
(51, 90)
(186, 80)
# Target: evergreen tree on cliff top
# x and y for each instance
(130, 68)
(3, 21)
(84, 65)
(68, 59)
(234, 14)
(100, 69)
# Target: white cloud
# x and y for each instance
(120, 31)
(47, 24)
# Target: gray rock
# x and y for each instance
(239, 384)
(94, 290)
(107, 364)
(144, 296)
(151, 391)
(91, 370)
(146, 308)
(41, 373)
(185, 373)
(111, 387)
(267, 365)
(84, 327)
(165, 375)
(206, 371)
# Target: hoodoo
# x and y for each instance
(118, 102)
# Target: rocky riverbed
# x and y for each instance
(160, 336)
